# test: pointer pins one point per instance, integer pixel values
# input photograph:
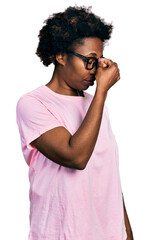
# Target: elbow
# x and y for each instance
(81, 167)
(79, 159)
(80, 164)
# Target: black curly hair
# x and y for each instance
(63, 29)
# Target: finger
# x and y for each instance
(104, 62)
(117, 74)
(104, 65)
(115, 64)
(118, 77)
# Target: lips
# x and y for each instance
(90, 80)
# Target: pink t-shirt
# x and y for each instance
(65, 203)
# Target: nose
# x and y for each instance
(93, 70)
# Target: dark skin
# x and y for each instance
(75, 69)
(127, 223)
(74, 151)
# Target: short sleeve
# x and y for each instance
(33, 119)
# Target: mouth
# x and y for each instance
(89, 82)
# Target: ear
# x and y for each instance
(61, 58)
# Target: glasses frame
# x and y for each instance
(88, 59)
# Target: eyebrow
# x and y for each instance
(93, 54)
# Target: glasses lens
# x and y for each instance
(91, 63)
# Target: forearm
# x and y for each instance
(84, 140)
(126, 219)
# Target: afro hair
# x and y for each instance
(63, 29)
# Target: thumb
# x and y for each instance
(104, 65)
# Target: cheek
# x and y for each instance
(78, 69)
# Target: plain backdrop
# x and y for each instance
(127, 101)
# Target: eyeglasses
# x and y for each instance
(91, 62)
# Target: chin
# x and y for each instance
(86, 87)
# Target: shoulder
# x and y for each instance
(29, 97)
(28, 102)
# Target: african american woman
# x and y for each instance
(66, 136)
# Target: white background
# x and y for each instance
(127, 101)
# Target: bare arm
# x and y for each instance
(127, 222)
(75, 151)
(83, 141)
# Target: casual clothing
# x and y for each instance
(65, 203)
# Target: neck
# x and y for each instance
(58, 85)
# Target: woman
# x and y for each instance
(66, 137)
